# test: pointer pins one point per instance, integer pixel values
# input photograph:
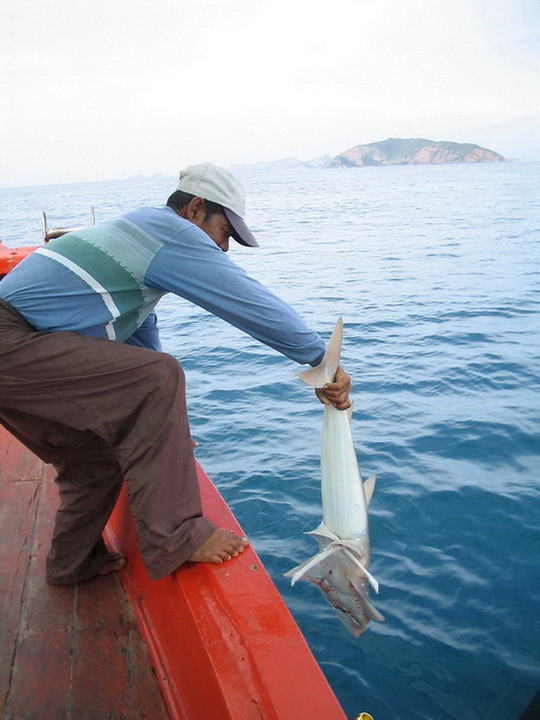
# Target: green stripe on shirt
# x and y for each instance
(123, 286)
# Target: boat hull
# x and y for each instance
(220, 636)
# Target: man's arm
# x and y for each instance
(193, 267)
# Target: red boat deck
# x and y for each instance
(67, 652)
(218, 640)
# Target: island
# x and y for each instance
(393, 151)
(415, 151)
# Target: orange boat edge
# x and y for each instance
(9, 257)
(208, 641)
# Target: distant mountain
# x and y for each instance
(416, 151)
(394, 151)
(324, 161)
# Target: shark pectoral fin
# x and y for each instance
(297, 572)
(326, 371)
(369, 487)
(372, 611)
(372, 581)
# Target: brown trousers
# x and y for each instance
(102, 412)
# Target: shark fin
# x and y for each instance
(297, 572)
(326, 371)
(323, 533)
(372, 581)
(369, 487)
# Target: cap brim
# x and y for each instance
(241, 233)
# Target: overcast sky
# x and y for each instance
(100, 89)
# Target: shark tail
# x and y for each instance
(326, 370)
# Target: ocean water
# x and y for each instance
(436, 272)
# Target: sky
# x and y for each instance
(105, 89)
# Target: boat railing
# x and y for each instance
(10, 257)
(52, 233)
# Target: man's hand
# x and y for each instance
(336, 393)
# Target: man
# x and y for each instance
(84, 384)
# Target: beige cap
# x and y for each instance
(216, 184)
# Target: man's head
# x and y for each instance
(213, 199)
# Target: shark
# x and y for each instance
(341, 567)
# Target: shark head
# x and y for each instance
(346, 588)
(340, 571)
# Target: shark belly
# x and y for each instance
(343, 499)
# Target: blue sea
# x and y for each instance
(436, 272)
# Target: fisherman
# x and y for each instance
(85, 386)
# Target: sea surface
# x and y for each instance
(436, 272)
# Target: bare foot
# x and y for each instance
(115, 562)
(222, 545)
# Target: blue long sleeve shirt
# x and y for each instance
(106, 280)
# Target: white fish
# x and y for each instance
(341, 567)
